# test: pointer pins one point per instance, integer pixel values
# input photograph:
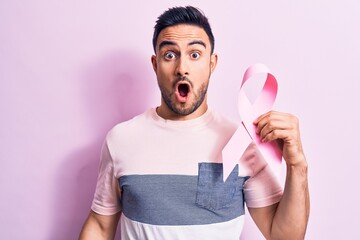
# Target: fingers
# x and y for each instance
(284, 128)
(276, 125)
(276, 135)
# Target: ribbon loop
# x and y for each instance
(246, 132)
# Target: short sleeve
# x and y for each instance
(263, 187)
(107, 194)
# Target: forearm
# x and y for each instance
(292, 214)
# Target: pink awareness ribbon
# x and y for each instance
(246, 132)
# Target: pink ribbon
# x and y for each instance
(246, 132)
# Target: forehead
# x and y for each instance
(183, 33)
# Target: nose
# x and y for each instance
(182, 67)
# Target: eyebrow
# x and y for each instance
(197, 42)
(166, 43)
(171, 43)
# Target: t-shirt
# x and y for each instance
(166, 179)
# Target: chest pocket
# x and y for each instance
(214, 194)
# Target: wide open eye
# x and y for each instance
(169, 55)
(195, 55)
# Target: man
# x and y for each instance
(161, 172)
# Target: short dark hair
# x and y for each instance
(183, 15)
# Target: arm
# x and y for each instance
(99, 227)
(288, 218)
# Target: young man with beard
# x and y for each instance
(161, 172)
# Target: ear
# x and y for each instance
(154, 62)
(213, 62)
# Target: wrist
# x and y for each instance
(300, 165)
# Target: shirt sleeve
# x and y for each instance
(107, 194)
(263, 187)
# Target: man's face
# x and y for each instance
(183, 65)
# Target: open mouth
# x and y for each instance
(183, 89)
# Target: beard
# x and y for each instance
(182, 109)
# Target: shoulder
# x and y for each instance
(127, 128)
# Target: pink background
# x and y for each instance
(70, 70)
